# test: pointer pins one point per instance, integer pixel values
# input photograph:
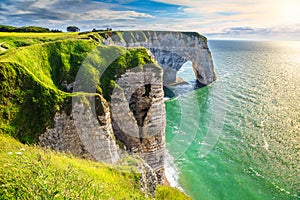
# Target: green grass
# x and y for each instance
(29, 172)
(37, 35)
(13, 40)
(166, 193)
(51, 62)
(27, 105)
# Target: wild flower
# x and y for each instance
(22, 149)
(19, 153)
(9, 153)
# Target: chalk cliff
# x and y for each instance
(171, 50)
(83, 134)
(138, 115)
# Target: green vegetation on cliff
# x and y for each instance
(30, 88)
(32, 79)
(33, 72)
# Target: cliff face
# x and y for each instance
(135, 116)
(83, 133)
(138, 115)
(171, 50)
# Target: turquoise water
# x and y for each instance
(239, 138)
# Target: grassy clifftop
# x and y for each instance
(30, 88)
(13, 40)
(143, 36)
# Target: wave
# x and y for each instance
(171, 171)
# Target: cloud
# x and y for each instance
(241, 29)
(51, 12)
(109, 15)
(269, 33)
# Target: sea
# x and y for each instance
(238, 138)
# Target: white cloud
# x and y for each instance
(110, 15)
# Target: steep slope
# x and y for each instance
(29, 172)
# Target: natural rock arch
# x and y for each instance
(171, 50)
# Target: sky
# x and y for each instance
(222, 19)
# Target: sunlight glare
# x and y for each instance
(291, 11)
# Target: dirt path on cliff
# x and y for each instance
(1, 48)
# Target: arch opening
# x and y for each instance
(185, 81)
(186, 73)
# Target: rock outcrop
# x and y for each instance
(138, 115)
(83, 133)
(171, 50)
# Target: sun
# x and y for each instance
(290, 11)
